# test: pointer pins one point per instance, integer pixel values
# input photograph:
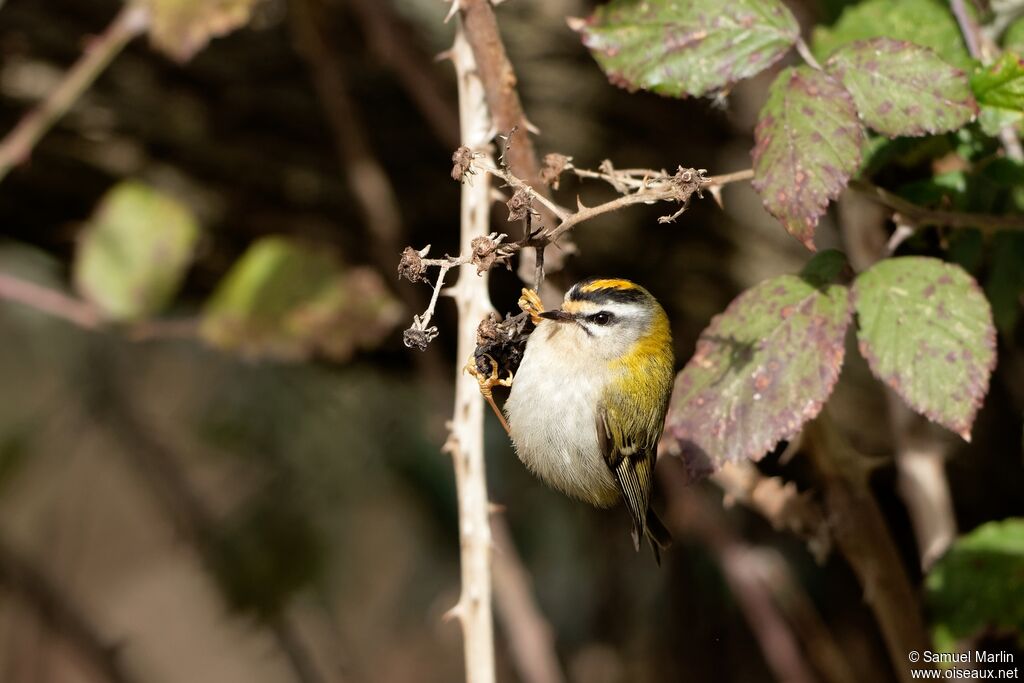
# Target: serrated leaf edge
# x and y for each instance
(962, 430)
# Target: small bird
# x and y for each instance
(588, 402)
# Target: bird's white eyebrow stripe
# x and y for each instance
(615, 308)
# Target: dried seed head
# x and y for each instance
(683, 185)
(520, 205)
(410, 266)
(502, 342)
(687, 181)
(486, 251)
(462, 163)
(416, 338)
(487, 331)
(554, 165)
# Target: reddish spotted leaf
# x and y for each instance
(762, 368)
(926, 330)
(807, 144)
(903, 89)
(687, 47)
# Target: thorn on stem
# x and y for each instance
(456, 612)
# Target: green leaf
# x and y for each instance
(999, 88)
(928, 23)
(969, 589)
(180, 28)
(1005, 285)
(926, 330)
(762, 368)
(134, 251)
(807, 144)
(686, 47)
(287, 300)
(1001, 84)
(903, 89)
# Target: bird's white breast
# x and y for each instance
(552, 414)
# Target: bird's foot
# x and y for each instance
(530, 303)
(487, 382)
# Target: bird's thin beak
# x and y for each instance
(559, 316)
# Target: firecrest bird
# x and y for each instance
(588, 402)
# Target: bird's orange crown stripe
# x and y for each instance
(609, 283)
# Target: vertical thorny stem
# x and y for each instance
(466, 443)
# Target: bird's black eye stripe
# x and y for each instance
(602, 296)
(601, 318)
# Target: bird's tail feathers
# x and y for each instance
(657, 535)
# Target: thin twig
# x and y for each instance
(50, 301)
(16, 147)
(422, 321)
(969, 28)
(585, 213)
(728, 178)
(515, 182)
(84, 315)
(921, 216)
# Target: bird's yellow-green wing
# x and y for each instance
(629, 445)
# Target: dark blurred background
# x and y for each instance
(219, 517)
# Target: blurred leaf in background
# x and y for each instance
(288, 300)
(134, 251)
(180, 28)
